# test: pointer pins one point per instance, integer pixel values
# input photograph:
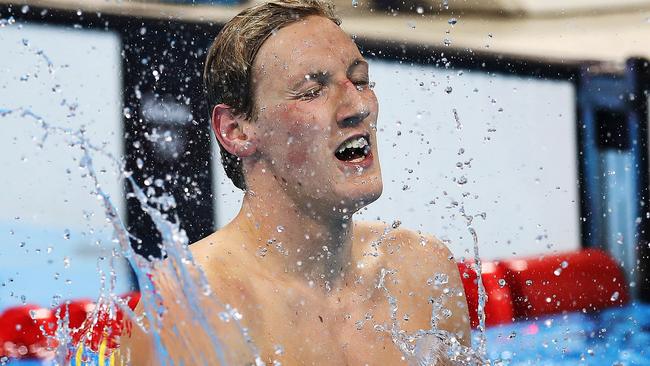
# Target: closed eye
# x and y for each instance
(364, 84)
(312, 93)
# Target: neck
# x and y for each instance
(295, 240)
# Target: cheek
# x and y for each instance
(298, 149)
(299, 134)
(296, 156)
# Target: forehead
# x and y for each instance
(312, 42)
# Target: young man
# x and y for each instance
(295, 115)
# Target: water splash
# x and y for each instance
(426, 347)
(482, 295)
(178, 268)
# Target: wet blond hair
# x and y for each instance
(228, 67)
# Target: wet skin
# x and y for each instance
(293, 262)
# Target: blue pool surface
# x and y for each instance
(613, 337)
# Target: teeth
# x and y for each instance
(359, 142)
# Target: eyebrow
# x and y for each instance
(323, 76)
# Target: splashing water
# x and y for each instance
(179, 269)
(425, 346)
(482, 295)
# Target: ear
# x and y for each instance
(228, 128)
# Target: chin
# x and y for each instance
(360, 193)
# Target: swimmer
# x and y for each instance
(295, 115)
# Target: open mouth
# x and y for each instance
(353, 150)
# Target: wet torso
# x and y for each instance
(297, 322)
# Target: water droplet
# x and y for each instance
(446, 42)
(529, 282)
(440, 279)
(502, 282)
(452, 21)
(207, 290)
(24, 9)
(278, 349)
(6, 22)
(66, 262)
(355, 3)
(167, 136)
(66, 234)
(126, 112)
(261, 252)
(448, 89)
(557, 271)
(615, 296)
(139, 163)
(280, 228)
(564, 264)
(419, 10)
(396, 224)
(462, 180)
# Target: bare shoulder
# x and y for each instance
(419, 256)
(425, 271)
(423, 248)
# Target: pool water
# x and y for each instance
(617, 336)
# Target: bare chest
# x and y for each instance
(297, 327)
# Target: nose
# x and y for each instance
(354, 119)
(353, 109)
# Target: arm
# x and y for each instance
(136, 346)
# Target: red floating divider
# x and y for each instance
(26, 331)
(109, 325)
(498, 307)
(588, 279)
(78, 312)
(22, 331)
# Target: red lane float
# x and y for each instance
(586, 280)
(77, 312)
(23, 331)
(108, 325)
(498, 305)
(27, 331)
